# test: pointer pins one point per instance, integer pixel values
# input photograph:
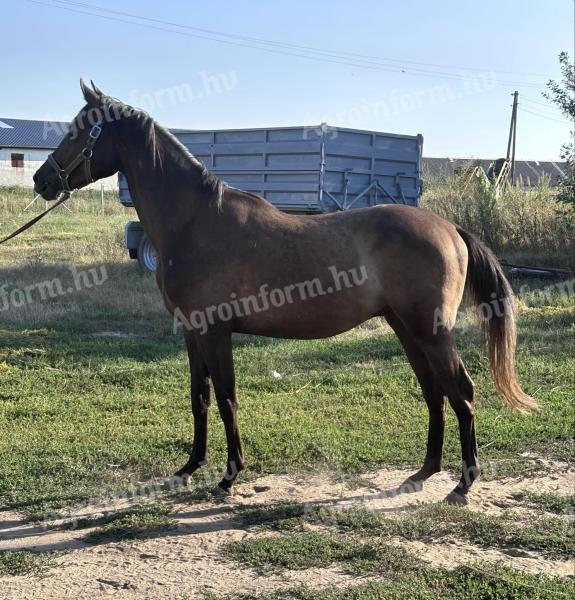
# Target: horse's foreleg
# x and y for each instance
(200, 396)
(217, 351)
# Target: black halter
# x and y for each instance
(85, 156)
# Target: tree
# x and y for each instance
(562, 93)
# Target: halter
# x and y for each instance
(85, 156)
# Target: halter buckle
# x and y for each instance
(95, 132)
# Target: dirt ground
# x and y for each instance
(186, 561)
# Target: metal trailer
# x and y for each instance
(305, 170)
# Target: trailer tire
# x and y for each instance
(147, 256)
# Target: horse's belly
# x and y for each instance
(311, 318)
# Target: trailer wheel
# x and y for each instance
(147, 255)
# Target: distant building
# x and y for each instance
(527, 172)
(25, 145)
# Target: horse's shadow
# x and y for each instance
(202, 517)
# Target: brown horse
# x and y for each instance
(228, 261)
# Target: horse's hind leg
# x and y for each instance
(462, 402)
(434, 399)
(456, 384)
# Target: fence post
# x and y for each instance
(102, 196)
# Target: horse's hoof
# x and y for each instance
(456, 499)
(221, 492)
(176, 479)
(409, 486)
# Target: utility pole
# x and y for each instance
(513, 136)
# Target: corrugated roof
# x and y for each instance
(527, 172)
(24, 133)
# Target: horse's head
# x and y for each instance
(86, 153)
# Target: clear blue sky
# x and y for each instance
(47, 50)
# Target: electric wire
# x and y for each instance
(308, 56)
(299, 47)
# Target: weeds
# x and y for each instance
(25, 562)
(524, 225)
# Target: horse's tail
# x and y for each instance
(493, 294)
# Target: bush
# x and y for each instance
(530, 226)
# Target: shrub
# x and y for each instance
(530, 226)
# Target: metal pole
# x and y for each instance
(102, 196)
(515, 102)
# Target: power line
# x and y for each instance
(542, 116)
(531, 101)
(328, 52)
(320, 58)
(542, 106)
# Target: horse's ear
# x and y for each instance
(90, 95)
(97, 89)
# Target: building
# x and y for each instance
(25, 145)
(527, 172)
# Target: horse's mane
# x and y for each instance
(159, 141)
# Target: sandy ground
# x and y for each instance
(186, 562)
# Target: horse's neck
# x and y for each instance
(161, 184)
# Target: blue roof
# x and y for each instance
(24, 133)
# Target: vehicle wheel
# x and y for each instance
(147, 255)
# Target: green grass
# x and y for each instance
(402, 574)
(132, 523)
(549, 536)
(25, 563)
(480, 582)
(84, 415)
(548, 502)
(309, 550)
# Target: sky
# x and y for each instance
(446, 69)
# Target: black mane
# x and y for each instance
(160, 141)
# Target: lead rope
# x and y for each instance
(65, 196)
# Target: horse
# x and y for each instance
(226, 260)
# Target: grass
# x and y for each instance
(94, 385)
(313, 550)
(94, 399)
(478, 582)
(132, 523)
(548, 536)
(529, 227)
(362, 543)
(25, 563)
(84, 416)
(548, 502)
(401, 575)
